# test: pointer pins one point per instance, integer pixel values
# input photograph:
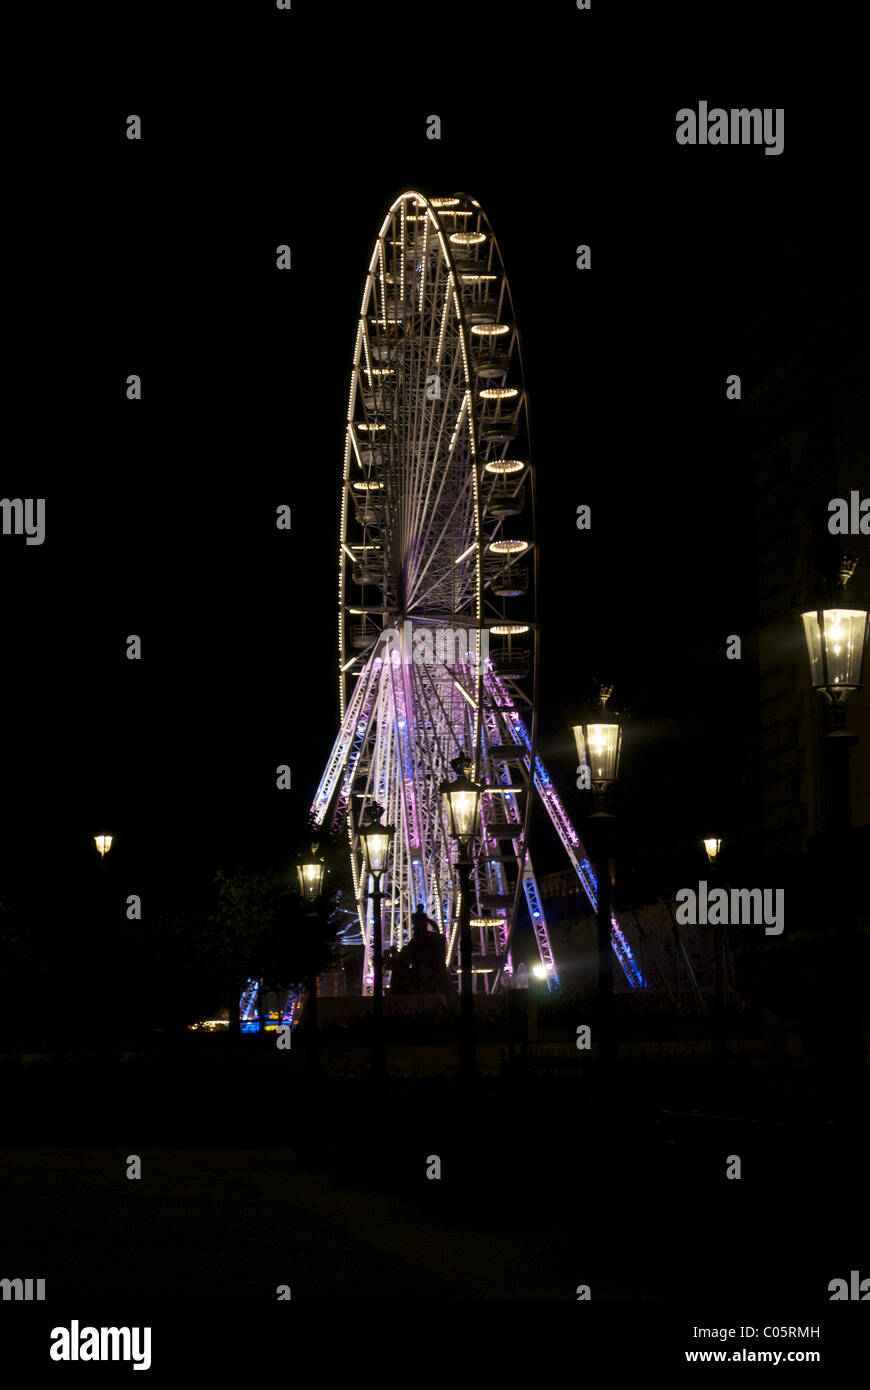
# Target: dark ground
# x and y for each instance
(254, 1177)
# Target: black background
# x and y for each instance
(158, 258)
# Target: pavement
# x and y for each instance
(236, 1224)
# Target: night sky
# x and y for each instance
(159, 259)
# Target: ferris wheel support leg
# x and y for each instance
(603, 833)
(350, 731)
(539, 926)
(246, 1003)
(565, 830)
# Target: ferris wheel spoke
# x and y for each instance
(456, 523)
(431, 499)
(435, 466)
(423, 400)
(433, 507)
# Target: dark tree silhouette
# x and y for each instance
(263, 929)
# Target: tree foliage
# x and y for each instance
(262, 929)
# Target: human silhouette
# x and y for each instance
(419, 967)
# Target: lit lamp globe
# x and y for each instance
(599, 743)
(103, 844)
(462, 800)
(835, 629)
(712, 844)
(376, 840)
(310, 872)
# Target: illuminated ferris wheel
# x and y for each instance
(437, 621)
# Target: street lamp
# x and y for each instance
(310, 870)
(103, 844)
(462, 799)
(712, 845)
(376, 840)
(835, 629)
(462, 803)
(599, 744)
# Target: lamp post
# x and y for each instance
(376, 840)
(309, 870)
(103, 937)
(462, 803)
(835, 629)
(599, 744)
(712, 845)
